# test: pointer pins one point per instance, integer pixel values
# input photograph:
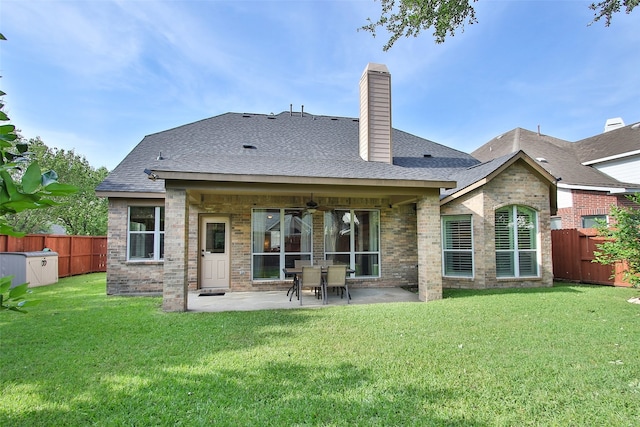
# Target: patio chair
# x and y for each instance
(337, 278)
(324, 263)
(311, 278)
(301, 262)
(297, 263)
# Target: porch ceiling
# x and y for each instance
(396, 195)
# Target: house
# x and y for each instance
(593, 174)
(615, 152)
(228, 202)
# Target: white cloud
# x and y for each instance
(85, 38)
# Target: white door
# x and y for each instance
(214, 252)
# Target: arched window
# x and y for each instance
(516, 242)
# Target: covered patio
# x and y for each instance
(276, 300)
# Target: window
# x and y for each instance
(591, 221)
(352, 238)
(146, 233)
(556, 223)
(516, 242)
(278, 237)
(457, 246)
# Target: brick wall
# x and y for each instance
(517, 185)
(176, 250)
(138, 277)
(429, 249)
(586, 202)
(397, 237)
(472, 204)
(404, 257)
(398, 242)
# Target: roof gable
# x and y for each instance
(476, 176)
(559, 157)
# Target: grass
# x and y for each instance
(562, 356)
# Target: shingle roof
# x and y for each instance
(285, 144)
(557, 156)
(467, 176)
(612, 143)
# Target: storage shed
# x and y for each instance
(37, 268)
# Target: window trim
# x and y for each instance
(515, 250)
(282, 254)
(556, 220)
(352, 244)
(157, 234)
(592, 217)
(448, 219)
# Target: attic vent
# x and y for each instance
(542, 160)
(246, 115)
(249, 146)
(355, 120)
(427, 156)
(334, 119)
(270, 117)
(614, 123)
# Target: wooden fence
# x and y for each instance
(572, 255)
(76, 254)
(573, 258)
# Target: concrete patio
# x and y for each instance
(270, 300)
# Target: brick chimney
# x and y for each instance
(375, 114)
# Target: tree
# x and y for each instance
(623, 240)
(23, 186)
(410, 17)
(81, 213)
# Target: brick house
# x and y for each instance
(227, 202)
(593, 174)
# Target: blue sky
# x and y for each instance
(98, 75)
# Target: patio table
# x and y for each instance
(297, 271)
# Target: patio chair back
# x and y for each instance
(337, 278)
(311, 278)
(301, 262)
(325, 262)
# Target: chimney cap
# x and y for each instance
(378, 68)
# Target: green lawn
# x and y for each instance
(566, 356)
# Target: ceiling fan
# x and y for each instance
(312, 206)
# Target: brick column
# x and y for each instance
(429, 249)
(176, 235)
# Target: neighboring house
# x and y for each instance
(616, 152)
(228, 202)
(593, 174)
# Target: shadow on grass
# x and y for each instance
(558, 287)
(103, 361)
(273, 394)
